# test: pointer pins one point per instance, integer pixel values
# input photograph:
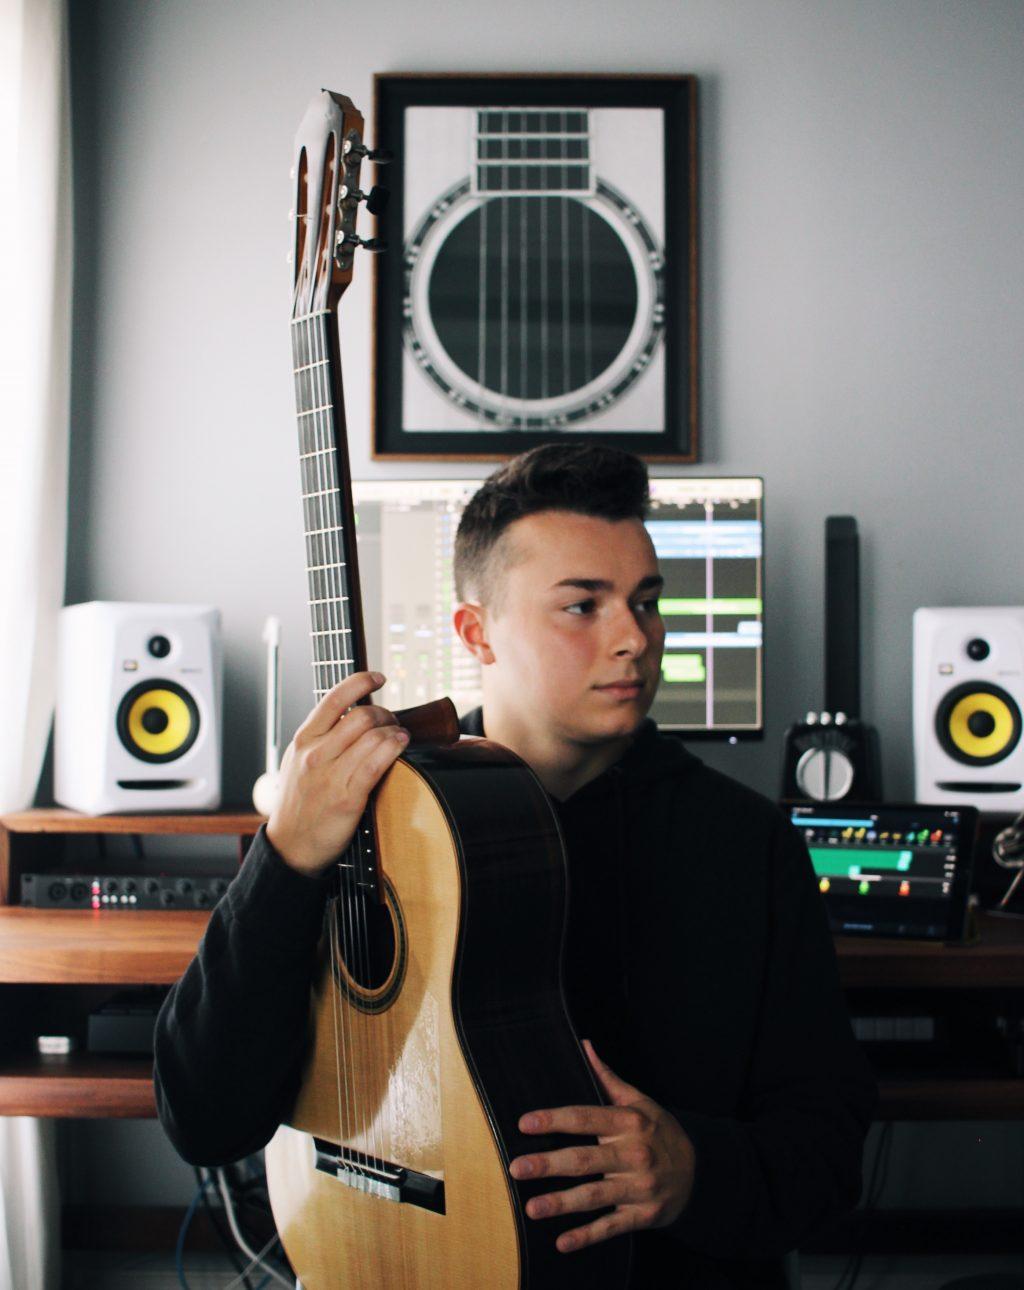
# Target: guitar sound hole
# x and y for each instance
(533, 297)
(367, 937)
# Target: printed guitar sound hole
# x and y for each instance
(544, 323)
(370, 947)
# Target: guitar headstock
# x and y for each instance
(329, 150)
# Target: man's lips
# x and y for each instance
(621, 685)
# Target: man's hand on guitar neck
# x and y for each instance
(338, 755)
(646, 1160)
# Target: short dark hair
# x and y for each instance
(585, 478)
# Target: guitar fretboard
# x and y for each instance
(535, 151)
(329, 557)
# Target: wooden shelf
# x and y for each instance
(59, 820)
(951, 1099)
(995, 960)
(97, 946)
(79, 1085)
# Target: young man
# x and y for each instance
(699, 966)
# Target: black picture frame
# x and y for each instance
(663, 347)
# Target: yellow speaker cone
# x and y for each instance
(158, 720)
(978, 724)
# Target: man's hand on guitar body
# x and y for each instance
(336, 758)
(646, 1160)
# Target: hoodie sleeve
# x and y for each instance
(232, 1032)
(791, 1161)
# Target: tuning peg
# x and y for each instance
(377, 201)
(372, 244)
(353, 151)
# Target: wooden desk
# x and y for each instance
(80, 955)
(993, 964)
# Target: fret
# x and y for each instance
(540, 152)
(335, 636)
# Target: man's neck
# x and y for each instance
(562, 766)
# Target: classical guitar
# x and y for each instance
(437, 1017)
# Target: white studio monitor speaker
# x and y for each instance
(968, 698)
(138, 722)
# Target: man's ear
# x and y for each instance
(469, 620)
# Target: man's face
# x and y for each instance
(577, 620)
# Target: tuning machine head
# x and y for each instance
(374, 245)
(354, 152)
(376, 199)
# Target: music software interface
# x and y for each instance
(904, 856)
(708, 537)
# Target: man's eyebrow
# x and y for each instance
(653, 580)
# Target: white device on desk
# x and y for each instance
(968, 696)
(266, 788)
(138, 720)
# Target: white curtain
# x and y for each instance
(35, 316)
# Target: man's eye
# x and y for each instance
(651, 606)
(580, 608)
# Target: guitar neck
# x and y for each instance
(537, 151)
(336, 623)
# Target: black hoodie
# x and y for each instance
(698, 961)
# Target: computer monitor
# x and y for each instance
(708, 535)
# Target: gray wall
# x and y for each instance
(861, 176)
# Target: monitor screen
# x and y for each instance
(708, 535)
(892, 870)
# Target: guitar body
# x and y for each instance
(429, 1069)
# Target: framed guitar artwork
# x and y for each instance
(543, 277)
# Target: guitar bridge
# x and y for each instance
(379, 1177)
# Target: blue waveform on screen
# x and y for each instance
(697, 539)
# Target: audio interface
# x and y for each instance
(120, 891)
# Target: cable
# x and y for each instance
(851, 1270)
(182, 1232)
(225, 1239)
(257, 1261)
(229, 1209)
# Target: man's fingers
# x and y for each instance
(615, 1224)
(577, 1200)
(335, 702)
(570, 1162)
(601, 1121)
(350, 729)
(384, 746)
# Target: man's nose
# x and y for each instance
(628, 636)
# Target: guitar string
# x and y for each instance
(564, 203)
(545, 156)
(342, 654)
(524, 208)
(588, 354)
(317, 563)
(504, 261)
(482, 172)
(311, 476)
